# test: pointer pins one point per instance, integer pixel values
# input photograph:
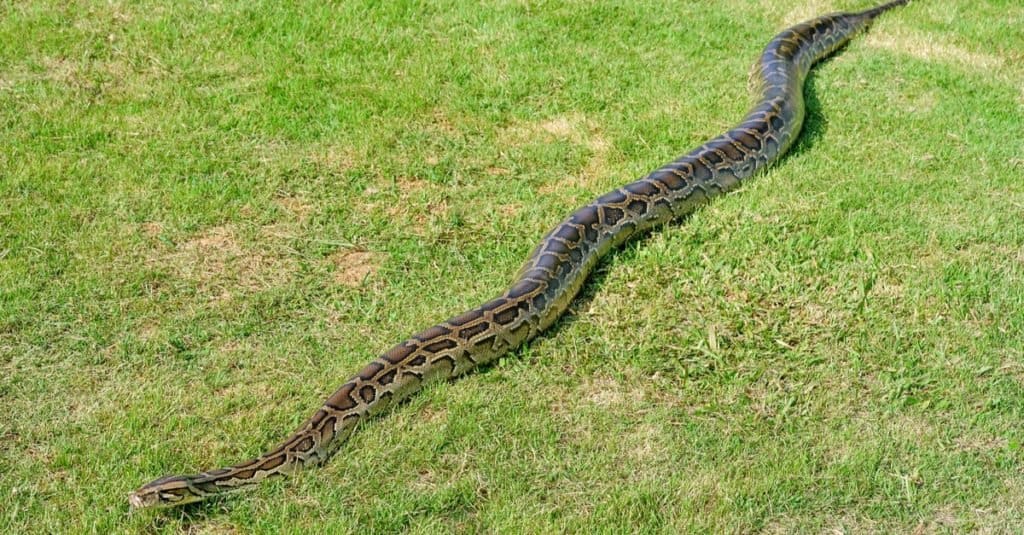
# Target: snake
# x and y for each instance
(556, 269)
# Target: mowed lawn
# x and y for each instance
(213, 214)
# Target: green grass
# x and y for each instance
(212, 214)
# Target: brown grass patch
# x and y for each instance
(409, 184)
(608, 393)
(497, 171)
(295, 206)
(645, 444)
(354, 267)
(62, 71)
(149, 330)
(978, 444)
(804, 11)
(573, 128)
(558, 127)
(327, 159)
(410, 208)
(332, 158)
(215, 261)
(434, 414)
(151, 229)
(509, 209)
(931, 48)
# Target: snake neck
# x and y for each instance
(556, 269)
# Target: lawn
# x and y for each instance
(212, 214)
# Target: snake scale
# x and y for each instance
(555, 270)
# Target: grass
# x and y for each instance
(212, 214)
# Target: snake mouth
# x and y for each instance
(138, 501)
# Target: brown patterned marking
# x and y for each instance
(304, 445)
(272, 462)
(386, 378)
(521, 331)
(725, 146)
(245, 474)
(568, 233)
(399, 353)
(448, 361)
(612, 197)
(612, 215)
(585, 216)
(671, 179)
(433, 332)
(181, 492)
(469, 332)
(328, 429)
(520, 289)
(745, 138)
(465, 318)
(368, 393)
(370, 371)
(701, 172)
(548, 262)
(209, 486)
(487, 341)
(342, 399)
(557, 247)
(637, 207)
(493, 304)
(642, 188)
(441, 345)
(506, 316)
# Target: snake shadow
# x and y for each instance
(815, 126)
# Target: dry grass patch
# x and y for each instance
(574, 128)
(332, 158)
(646, 444)
(353, 268)
(497, 171)
(932, 48)
(558, 127)
(608, 393)
(509, 209)
(980, 444)
(216, 261)
(151, 229)
(411, 207)
(804, 11)
(296, 206)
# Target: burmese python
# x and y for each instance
(555, 270)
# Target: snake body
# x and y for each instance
(555, 270)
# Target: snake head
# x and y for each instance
(164, 492)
